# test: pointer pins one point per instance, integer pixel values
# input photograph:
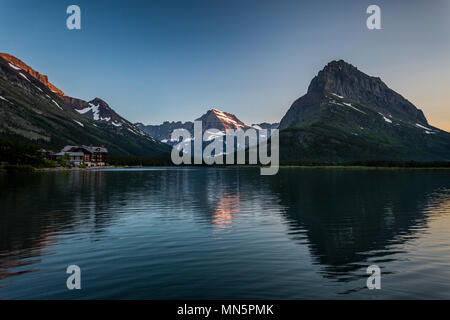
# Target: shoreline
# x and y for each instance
(29, 169)
(71, 169)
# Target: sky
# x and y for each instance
(172, 60)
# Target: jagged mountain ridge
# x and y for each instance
(18, 65)
(33, 109)
(347, 115)
(163, 132)
(212, 119)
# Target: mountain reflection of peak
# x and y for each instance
(226, 208)
(353, 216)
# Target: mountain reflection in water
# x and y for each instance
(167, 233)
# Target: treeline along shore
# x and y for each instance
(19, 155)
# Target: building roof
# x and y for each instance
(72, 154)
(45, 151)
(76, 154)
(90, 149)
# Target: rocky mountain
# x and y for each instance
(266, 125)
(96, 109)
(347, 115)
(19, 65)
(164, 131)
(221, 120)
(33, 109)
(212, 119)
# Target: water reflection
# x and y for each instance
(227, 207)
(352, 217)
(346, 220)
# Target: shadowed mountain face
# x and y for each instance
(33, 109)
(347, 115)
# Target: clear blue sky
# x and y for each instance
(172, 60)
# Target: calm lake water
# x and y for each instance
(197, 233)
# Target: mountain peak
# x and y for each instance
(18, 65)
(220, 120)
(343, 79)
(340, 64)
(98, 101)
(334, 76)
(216, 111)
(347, 115)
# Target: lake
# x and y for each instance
(225, 233)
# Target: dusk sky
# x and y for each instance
(172, 60)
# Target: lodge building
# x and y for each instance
(89, 155)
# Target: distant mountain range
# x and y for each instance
(33, 109)
(347, 115)
(212, 119)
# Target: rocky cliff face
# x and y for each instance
(344, 80)
(23, 66)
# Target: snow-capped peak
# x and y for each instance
(221, 120)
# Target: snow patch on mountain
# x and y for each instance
(24, 76)
(57, 104)
(336, 95)
(14, 67)
(4, 99)
(385, 119)
(93, 108)
(225, 118)
(210, 135)
(79, 123)
(350, 105)
(423, 127)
